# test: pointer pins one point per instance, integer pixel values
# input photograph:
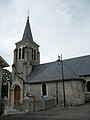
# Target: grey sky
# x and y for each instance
(58, 26)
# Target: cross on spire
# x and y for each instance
(28, 13)
(27, 32)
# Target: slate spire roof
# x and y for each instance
(27, 32)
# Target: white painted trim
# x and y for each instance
(21, 52)
(46, 90)
(86, 86)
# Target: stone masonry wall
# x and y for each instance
(1, 70)
(74, 94)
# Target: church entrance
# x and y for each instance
(17, 94)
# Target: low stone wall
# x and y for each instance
(51, 102)
(87, 97)
(31, 104)
(75, 100)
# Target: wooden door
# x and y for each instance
(17, 94)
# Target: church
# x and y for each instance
(61, 82)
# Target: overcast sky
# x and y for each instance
(58, 26)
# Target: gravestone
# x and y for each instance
(26, 103)
(5, 106)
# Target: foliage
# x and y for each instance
(5, 79)
(19, 107)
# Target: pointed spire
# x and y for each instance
(27, 32)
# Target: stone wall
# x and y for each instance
(87, 96)
(20, 84)
(1, 70)
(31, 104)
(24, 66)
(74, 94)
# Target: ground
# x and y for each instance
(57, 113)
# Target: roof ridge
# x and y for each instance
(76, 57)
(44, 63)
(62, 60)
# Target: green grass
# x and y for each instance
(19, 107)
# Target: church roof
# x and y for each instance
(72, 68)
(27, 32)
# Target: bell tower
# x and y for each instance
(26, 54)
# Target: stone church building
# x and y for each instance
(59, 82)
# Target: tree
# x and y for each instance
(7, 75)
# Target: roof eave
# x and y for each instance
(48, 81)
(3, 62)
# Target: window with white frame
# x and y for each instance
(21, 53)
(34, 54)
(33, 51)
(16, 53)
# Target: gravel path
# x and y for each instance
(57, 113)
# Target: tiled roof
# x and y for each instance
(72, 68)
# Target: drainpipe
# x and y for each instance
(62, 73)
(57, 93)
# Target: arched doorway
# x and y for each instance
(88, 86)
(17, 94)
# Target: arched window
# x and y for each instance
(33, 54)
(44, 90)
(16, 53)
(23, 52)
(19, 53)
(88, 86)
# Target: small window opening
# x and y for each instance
(88, 86)
(34, 54)
(23, 52)
(19, 53)
(44, 91)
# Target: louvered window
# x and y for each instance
(19, 53)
